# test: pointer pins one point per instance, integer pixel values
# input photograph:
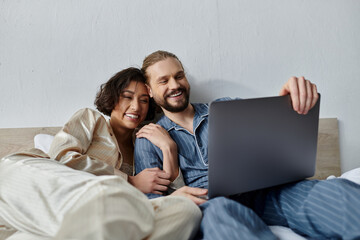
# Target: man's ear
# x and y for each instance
(149, 90)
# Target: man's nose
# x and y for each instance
(173, 84)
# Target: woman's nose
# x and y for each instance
(134, 105)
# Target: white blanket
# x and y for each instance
(43, 142)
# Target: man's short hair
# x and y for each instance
(155, 57)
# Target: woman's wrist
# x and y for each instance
(171, 147)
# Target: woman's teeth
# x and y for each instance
(132, 116)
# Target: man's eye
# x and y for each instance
(144, 101)
(179, 77)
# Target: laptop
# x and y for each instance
(259, 143)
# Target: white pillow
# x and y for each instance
(284, 233)
(43, 142)
(352, 175)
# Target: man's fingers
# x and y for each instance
(285, 89)
(195, 191)
(191, 193)
(294, 93)
(309, 96)
(302, 94)
(315, 95)
(196, 200)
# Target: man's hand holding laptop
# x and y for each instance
(303, 94)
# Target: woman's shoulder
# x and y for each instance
(88, 111)
(88, 114)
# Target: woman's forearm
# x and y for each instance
(170, 160)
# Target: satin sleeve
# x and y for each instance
(85, 143)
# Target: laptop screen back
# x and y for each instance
(259, 143)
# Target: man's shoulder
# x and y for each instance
(165, 122)
(206, 105)
(143, 142)
(223, 99)
(143, 150)
(203, 108)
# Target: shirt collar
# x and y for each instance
(201, 112)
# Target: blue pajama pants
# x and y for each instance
(327, 209)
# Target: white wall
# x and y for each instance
(55, 54)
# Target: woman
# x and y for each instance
(90, 143)
(43, 197)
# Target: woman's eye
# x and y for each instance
(144, 101)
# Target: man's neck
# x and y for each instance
(184, 119)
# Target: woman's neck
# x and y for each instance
(123, 136)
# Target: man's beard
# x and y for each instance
(179, 108)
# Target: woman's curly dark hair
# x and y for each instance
(108, 95)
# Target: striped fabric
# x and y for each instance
(60, 197)
(317, 209)
(320, 209)
(43, 199)
(88, 143)
(192, 149)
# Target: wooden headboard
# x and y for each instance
(328, 157)
(17, 139)
(328, 150)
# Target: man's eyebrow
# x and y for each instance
(165, 76)
(161, 78)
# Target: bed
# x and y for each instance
(328, 155)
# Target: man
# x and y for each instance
(318, 209)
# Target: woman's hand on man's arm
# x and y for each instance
(158, 136)
(151, 180)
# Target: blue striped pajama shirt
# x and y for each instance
(317, 209)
